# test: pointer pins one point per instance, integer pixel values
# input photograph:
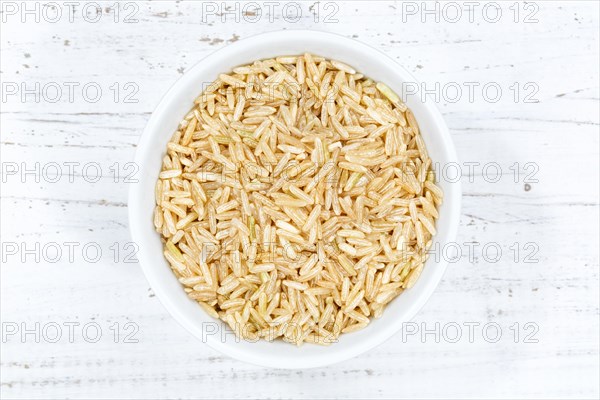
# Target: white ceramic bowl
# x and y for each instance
(164, 121)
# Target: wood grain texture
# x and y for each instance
(558, 135)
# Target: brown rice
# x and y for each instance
(296, 199)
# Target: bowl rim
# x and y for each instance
(137, 227)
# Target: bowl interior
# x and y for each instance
(164, 121)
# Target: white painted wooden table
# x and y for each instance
(542, 56)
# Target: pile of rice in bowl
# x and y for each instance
(296, 199)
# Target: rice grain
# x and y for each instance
(296, 199)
